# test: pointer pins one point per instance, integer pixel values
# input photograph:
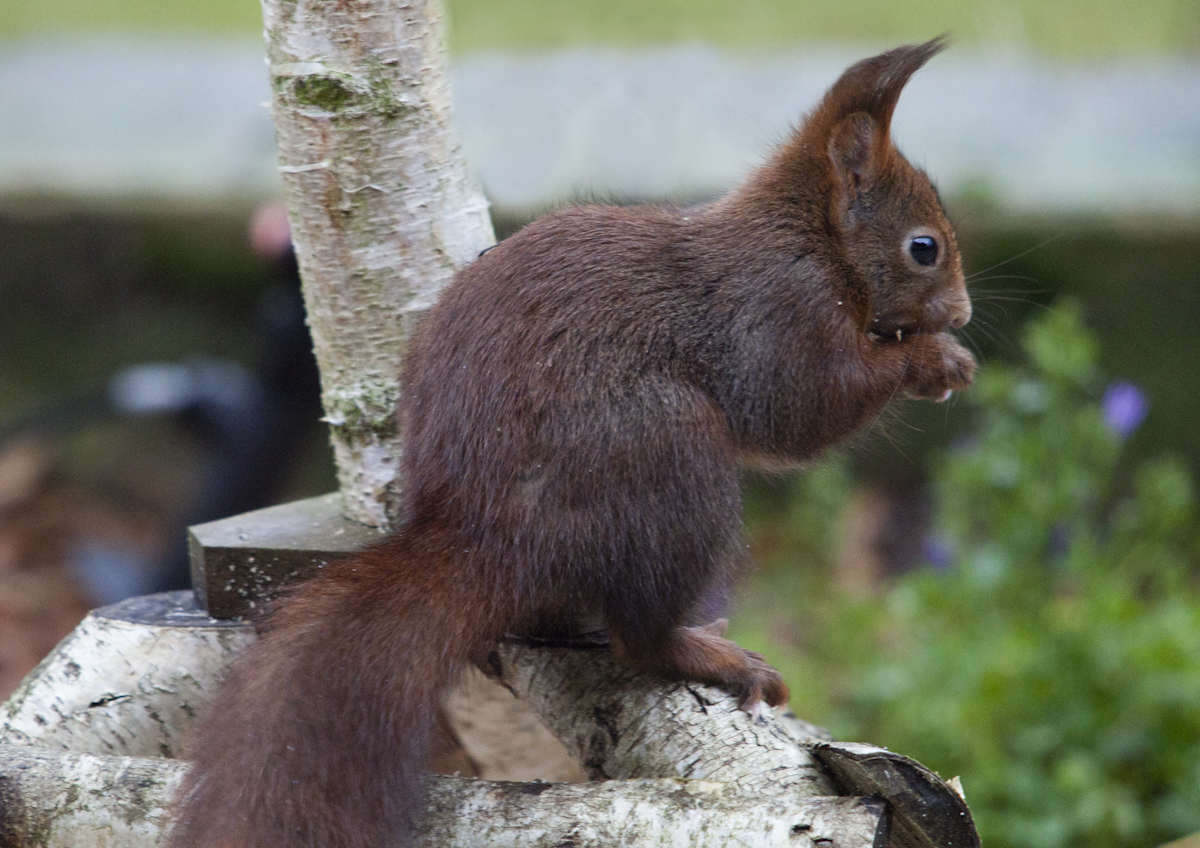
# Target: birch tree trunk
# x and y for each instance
(383, 211)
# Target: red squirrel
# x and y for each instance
(576, 408)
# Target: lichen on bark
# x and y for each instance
(383, 209)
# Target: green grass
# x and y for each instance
(1065, 28)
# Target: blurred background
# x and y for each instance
(1004, 587)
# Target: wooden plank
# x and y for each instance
(240, 562)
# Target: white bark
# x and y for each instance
(49, 799)
(383, 211)
(55, 800)
(639, 814)
(696, 770)
(121, 687)
(621, 724)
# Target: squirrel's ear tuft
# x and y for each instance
(873, 85)
(848, 136)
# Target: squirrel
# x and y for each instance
(576, 408)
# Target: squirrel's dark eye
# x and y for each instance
(923, 250)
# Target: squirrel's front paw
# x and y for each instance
(942, 366)
(759, 683)
(704, 654)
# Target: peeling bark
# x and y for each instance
(503, 738)
(927, 811)
(383, 210)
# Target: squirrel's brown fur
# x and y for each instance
(576, 408)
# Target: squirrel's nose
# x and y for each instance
(961, 314)
(948, 310)
(956, 307)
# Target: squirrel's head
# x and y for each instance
(885, 217)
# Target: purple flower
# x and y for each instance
(938, 552)
(1059, 542)
(1124, 407)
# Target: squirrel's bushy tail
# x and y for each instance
(319, 735)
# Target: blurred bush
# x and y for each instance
(1049, 649)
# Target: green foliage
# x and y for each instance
(1053, 659)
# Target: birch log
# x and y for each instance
(746, 783)
(621, 724)
(695, 770)
(383, 211)
(49, 799)
(54, 800)
(128, 681)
